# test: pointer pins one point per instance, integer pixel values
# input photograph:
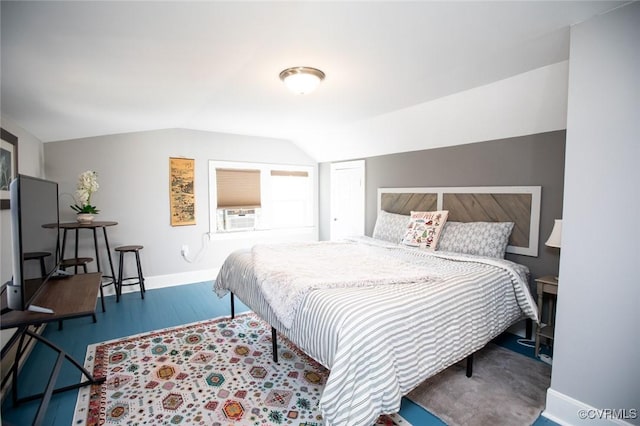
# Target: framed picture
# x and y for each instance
(181, 191)
(8, 165)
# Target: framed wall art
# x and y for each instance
(8, 165)
(181, 191)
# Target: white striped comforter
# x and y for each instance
(382, 341)
(286, 273)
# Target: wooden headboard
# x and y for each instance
(517, 204)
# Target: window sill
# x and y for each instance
(258, 234)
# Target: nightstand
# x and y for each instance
(546, 285)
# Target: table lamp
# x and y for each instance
(555, 239)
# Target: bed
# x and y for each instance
(382, 315)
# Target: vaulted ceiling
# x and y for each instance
(80, 69)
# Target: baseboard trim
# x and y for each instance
(565, 411)
(170, 280)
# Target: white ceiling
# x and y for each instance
(80, 69)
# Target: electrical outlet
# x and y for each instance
(185, 250)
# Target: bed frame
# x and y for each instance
(274, 341)
(518, 204)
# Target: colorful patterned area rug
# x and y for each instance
(216, 372)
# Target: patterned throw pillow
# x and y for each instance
(424, 229)
(390, 227)
(479, 238)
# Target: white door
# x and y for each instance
(347, 199)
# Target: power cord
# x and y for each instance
(184, 252)
(527, 343)
(532, 344)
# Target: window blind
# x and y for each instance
(289, 173)
(238, 188)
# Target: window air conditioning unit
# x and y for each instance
(239, 219)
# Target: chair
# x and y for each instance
(83, 261)
(75, 262)
(140, 278)
(38, 255)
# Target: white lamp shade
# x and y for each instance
(555, 239)
(302, 80)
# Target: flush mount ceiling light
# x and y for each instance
(302, 80)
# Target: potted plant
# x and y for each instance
(87, 185)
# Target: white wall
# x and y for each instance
(597, 346)
(526, 104)
(133, 173)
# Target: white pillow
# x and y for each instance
(390, 226)
(478, 238)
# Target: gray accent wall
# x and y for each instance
(527, 160)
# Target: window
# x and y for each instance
(290, 198)
(255, 196)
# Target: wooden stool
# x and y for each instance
(129, 249)
(38, 255)
(82, 261)
(75, 262)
